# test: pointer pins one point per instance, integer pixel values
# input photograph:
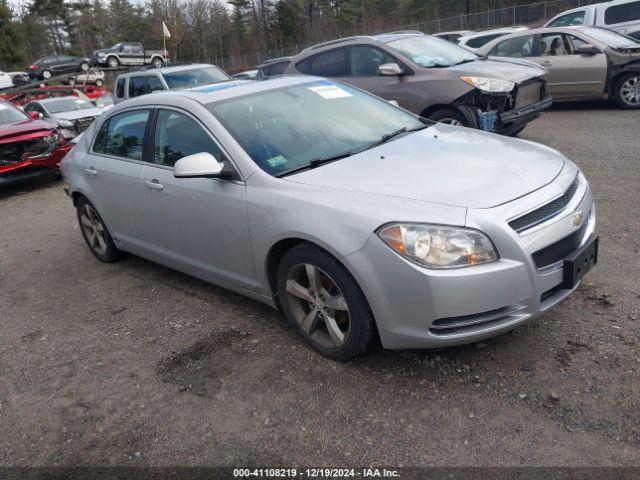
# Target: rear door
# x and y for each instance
(113, 169)
(571, 75)
(199, 223)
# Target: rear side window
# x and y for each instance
(120, 88)
(481, 41)
(330, 64)
(177, 136)
(627, 12)
(515, 47)
(137, 86)
(574, 18)
(123, 135)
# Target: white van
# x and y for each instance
(622, 16)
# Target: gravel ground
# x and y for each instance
(135, 364)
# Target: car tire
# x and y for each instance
(95, 232)
(450, 116)
(627, 90)
(46, 74)
(324, 304)
(113, 62)
(157, 62)
(99, 82)
(84, 67)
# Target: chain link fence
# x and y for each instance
(530, 15)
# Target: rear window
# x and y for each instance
(120, 88)
(67, 105)
(574, 18)
(622, 13)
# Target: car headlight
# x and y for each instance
(65, 123)
(491, 85)
(435, 246)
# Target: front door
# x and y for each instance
(362, 71)
(571, 75)
(197, 223)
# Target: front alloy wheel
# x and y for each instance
(324, 303)
(112, 62)
(628, 94)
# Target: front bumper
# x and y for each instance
(51, 162)
(514, 120)
(409, 302)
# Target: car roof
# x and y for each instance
(494, 31)
(276, 60)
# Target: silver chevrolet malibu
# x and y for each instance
(361, 221)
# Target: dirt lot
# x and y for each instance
(134, 364)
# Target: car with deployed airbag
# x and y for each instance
(360, 220)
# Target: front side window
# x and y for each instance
(515, 47)
(195, 77)
(626, 12)
(177, 136)
(365, 60)
(154, 84)
(287, 128)
(123, 135)
(554, 44)
(137, 86)
(429, 52)
(575, 18)
(330, 64)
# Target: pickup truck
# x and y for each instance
(129, 53)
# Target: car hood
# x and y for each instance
(503, 70)
(76, 114)
(12, 130)
(446, 165)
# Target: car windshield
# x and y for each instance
(9, 114)
(289, 128)
(613, 39)
(431, 52)
(67, 105)
(195, 77)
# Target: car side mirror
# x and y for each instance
(33, 115)
(389, 69)
(587, 49)
(200, 165)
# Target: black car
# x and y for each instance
(48, 67)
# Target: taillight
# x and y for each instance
(34, 67)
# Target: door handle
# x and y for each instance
(153, 184)
(90, 172)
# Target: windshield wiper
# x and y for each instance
(385, 138)
(316, 162)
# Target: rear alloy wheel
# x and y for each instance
(324, 304)
(112, 62)
(46, 74)
(95, 232)
(450, 116)
(99, 82)
(84, 66)
(628, 90)
(157, 62)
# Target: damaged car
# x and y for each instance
(584, 63)
(73, 114)
(29, 146)
(434, 79)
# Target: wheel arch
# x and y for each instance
(613, 82)
(461, 109)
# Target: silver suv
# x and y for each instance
(434, 78)
(141, 82)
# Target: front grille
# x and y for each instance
(528, 94)
(445, 326)
(545, 212)
(559, 250)
(11, 153)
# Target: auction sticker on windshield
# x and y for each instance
(330, 91)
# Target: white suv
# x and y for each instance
(622, 16)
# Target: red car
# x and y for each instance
(29, 147)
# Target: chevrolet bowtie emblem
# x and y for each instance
(576, 221)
